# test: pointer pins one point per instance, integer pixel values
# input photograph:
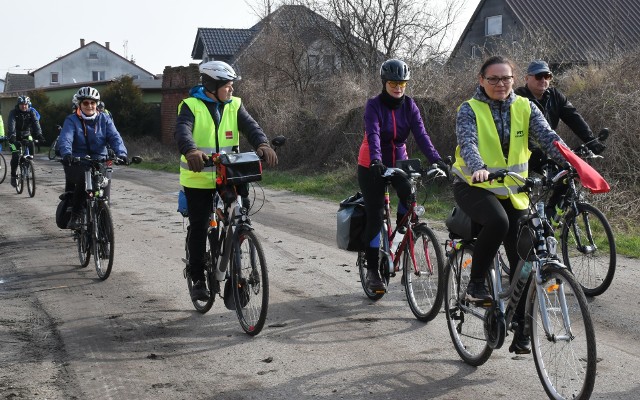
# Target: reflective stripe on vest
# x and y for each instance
(490, 150)
(204, 136)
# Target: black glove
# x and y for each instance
(596, 146)
(67, 159)
(444, 167)
(124, 159)
(12, 139)
(110, 153)
(377, 168)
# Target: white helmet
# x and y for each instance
(218, 71)
(88, 92)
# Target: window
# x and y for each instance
(93, 55)
(54, 78)
(98, 76)
(493, 25)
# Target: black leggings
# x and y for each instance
(372, 187)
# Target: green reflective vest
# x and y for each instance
(208, 140)
(490, 150)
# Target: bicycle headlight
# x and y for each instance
(419, 211)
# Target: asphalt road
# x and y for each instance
(64, 334)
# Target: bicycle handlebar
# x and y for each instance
(527, 184)
(90, 161)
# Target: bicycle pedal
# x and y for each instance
(380, 291)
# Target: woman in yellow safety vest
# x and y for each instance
(493, 129)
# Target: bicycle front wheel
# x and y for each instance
(82, 237)
(565, 356)
(424, 283)
(30, 176)
(20, 173)
(3, 168)
(250, 282)
(589, 249)
(103, 241)
(464, 320)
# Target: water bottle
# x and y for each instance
(525, 270)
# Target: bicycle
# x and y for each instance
(422, 259)
(586, 238)
(556, 311)
(53, 150)
(3, 162)
(96, 234)
(25, 170)
(234, 254)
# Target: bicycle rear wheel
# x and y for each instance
(565, 358)
(3, 168)
(464, 320)
(589, 249)
(30, 176)
(83, 241)
(250, 282)
(202, 306)
(20, 172)
(103, 244)
(424, 283)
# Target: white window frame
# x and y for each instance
(54, 78)
(100, 75)
(493, 25)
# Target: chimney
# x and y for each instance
(106, 44)
(81, 42)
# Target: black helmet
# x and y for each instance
(394, 70)
(24, 100)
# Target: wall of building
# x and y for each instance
(176, 82)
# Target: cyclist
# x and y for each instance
(493, 130)
(23, 122)
(389, 118)
(209, 121)
(102, 108)
(86, 132)
(555, 107)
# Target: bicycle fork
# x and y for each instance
(555, 289)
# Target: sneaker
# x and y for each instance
(477, 293)
(14, 181)
(374, 283)
(199, 291)
(521, 342)
(75, 222)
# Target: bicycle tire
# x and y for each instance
(464, 321)
(202, 306)
(82, 237)
(103, 241)
(3, 168)
(566, 368)
(20, 178)
(250, 282)
(52, 150)
(30, 176)
(424, 288)
(593, 269)
(362, 269)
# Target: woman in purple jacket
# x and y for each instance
(388, 119)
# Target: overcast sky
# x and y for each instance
(157, 33)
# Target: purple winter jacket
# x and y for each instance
(386, 133)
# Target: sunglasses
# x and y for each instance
(543, 75)
(88, 103)
(395, 84)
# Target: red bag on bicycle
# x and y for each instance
(589, 177)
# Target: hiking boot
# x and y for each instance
(14, 181)
(199, 291)
(75, 222)
(477, 293)
(521, 342)
(374, 283)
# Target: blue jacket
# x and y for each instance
(80, 137)
(387, 131)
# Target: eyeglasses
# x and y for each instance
(493, 80)
(88, 103)
(395, 84)
(543, 75)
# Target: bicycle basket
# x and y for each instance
(239, 168)
(409, 166)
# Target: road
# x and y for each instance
(64, 334)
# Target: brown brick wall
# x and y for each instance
(176, 82)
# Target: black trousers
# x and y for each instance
(199, 204)
(15, 155)
(74, 182)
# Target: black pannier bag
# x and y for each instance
(351, 221)
(461, 225)
(63, 212)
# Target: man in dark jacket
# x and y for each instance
(556, 107)
(23, 124)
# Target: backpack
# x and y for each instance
(351, 221)
(63, 212)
